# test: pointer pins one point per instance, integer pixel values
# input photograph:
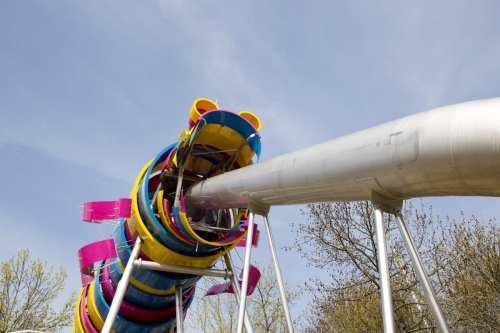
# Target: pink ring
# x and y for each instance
(84, 317)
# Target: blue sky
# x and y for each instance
(90, 91)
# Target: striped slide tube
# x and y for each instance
(217, 141)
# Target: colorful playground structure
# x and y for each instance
(170, 233)
(197, 200)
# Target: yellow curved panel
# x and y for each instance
(242, 213)
(200, 106)
(94, 315)
(77, 326)
(184, 133)
(225, 138)
(154, 249)
(183, 142)
(144, 287)
(252, 119)
(167, 223)
(188, 228)
(165, 219)
(222, 138)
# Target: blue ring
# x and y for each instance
(154, 279)
(156, 228)
(121, 324)
(139, 297)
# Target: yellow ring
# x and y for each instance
(224, 138)
(155, 250)
(95, 316)
(144, 287)
(165, 219)
(252, 119)
(77, 326)
(190, 231)
(167, 223)
(201, 103)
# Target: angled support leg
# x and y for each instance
(237, 291)
(246, 270)
(437, 312)
(383, 268)
(277, 271)
(178, 309)
(122, 287)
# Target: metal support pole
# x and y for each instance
(436, 310)
(178, 309)
(237, 291)
(383, 268)
(122, 287)
(179, 185)
(142, 264)
(277, 271)
(246, 270)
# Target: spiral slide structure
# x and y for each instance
(197, 198)
(216, 142)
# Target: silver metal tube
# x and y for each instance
(277, 271)
(141, 264)
(178, 308)
(237, 291)
(383, 268)
(413, 294)
(452, 150)
(122, 287)
(246, 270)
(437, 312)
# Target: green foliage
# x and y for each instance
(340, 238)
(219, 314)
(472, 276)
(461, 258)
(357, 310)
(265, 304)
(27, 288)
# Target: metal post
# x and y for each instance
(122, 287)
(141, 264)
(413, 294)
(179, 185)
(383, 268)
(246, 270)
(178, 308)
(436, 310)
(237, 291)
(277, 271)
